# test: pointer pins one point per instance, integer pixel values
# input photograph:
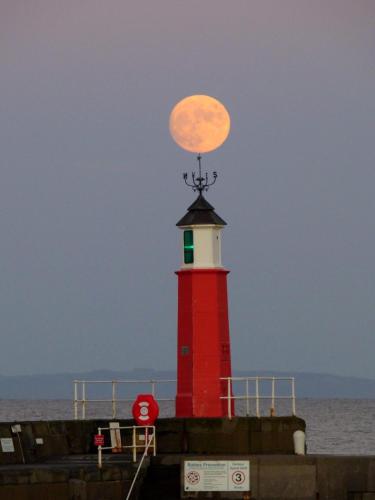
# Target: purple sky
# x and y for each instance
(91, 183)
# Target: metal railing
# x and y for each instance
(150, 441)
(256, 396)
(81, 400)
(251, 392)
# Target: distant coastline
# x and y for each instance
(59, 386)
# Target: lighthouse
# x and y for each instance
(203, 346)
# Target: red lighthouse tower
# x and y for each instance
(203, 356)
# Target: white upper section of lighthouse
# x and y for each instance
(204, 250)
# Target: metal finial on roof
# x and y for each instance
(200, 183)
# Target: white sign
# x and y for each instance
(115, 435)
(217, 475)
(7, 445)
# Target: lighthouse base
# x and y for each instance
(204, 364)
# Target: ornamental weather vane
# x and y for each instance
(200, 183)
(199, 124)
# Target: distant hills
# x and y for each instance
(60, 386)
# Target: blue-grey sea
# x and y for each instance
(334, 426)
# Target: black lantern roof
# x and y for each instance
(201, 213)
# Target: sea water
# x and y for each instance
(334, 426)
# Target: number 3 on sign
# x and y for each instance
(238, 477)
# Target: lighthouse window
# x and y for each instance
(188, 247)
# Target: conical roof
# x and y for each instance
(201, 213)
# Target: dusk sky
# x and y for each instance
(91, 181)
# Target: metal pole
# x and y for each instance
(257, 396)
(100, 462)
(134, 444)
(247, 398)
(75, 402)
(229, 401)
(136, 474)
(273, 397)
(153, 387)
(19, 442)
(113, 398)
(146, 438)
(293, 398)
(83, 400)
(154, 438)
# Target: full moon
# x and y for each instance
(199, 123)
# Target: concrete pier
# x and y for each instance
(64, 466)
(73, 478)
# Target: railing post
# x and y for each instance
(99, 451)
(83, 399)
(113, 398)
(147, 438)
(134, 444)
(293, 398)
(154, 438)
(257, 395)
(229, 399)
(273, 398)
(247, 398)
(75, 403)
(153, 387)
